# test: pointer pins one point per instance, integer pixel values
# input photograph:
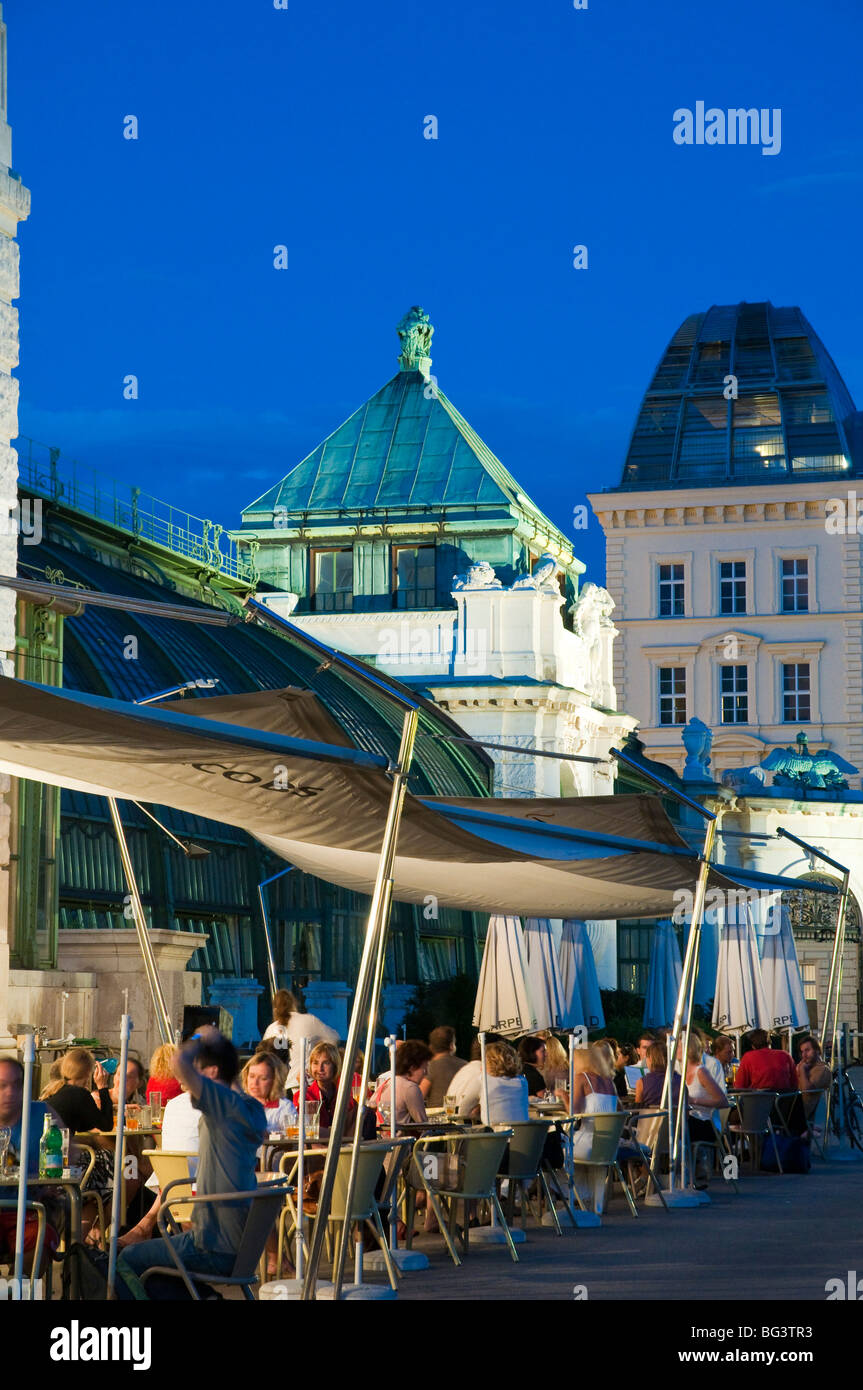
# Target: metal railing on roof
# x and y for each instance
(136, 513)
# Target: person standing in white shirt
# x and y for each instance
(288, 1026)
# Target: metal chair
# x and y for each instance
(606, 1129)
(172, 1169)
(651, 1135)
(754, 1109)
(265, 1204)
(720, 1146)
(38, 1248)
(525, 1167)
(389, 1155)
(477, 1160)
(89, 1194)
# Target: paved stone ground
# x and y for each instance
(781, 1238)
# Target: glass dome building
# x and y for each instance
(744, 393)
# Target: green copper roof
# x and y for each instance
(404, 447)
(407, 447)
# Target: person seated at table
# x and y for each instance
(507, 1087)
(324, 1069)
(593, 1093)
(289, 1025)
(532, 1053)
(82, 1095)
(442, 1066)
(180, 1126)
(649, 1087)
(135, 1084)
(467, 1084)
(11, 1113)
(162, 1080)
(232, 1129)
(814, 1077)
(646, 1039)
(722, 1051)
(264, 1077)
(619, 1060)
(412, 1060)
(705, 1097)
(555, 1068)
(765, 1068)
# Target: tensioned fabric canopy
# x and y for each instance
(275, 764)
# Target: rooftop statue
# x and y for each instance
(797, 767)
(697, 740)
(543, 576)
(591, 619)
(479, 576)
(415, 333)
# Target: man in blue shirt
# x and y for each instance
(233, 1125)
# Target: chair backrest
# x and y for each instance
(652, 1131)
(722, 1112)
(525, 1148)
(480, 1158)
(169, 1166)
(264, 1208)
(605, 1129)
(370, 1161)
(754, 1109)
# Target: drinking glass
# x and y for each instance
(145, 1117)
(451, 1106)
(356, 1091)
(65, 1136)
(132, 1112)
(156, 1104)
(313, 1126)
(5, 1138)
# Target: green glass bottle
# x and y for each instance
(50, 1151)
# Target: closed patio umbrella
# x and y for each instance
(739, 1003)
(503, 1002)
(780, 971)
(543, 973)
(582, 1003)
(663, 981)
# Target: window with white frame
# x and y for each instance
(734, 694)
(795, 585)
(672, 591)
(672, 694)
(732, 586)
(796, 693)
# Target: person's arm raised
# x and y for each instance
(184, 1061)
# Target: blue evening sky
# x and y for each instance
(304, 127)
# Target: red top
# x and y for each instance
(167, 1086)
(766, 1069)
(314, 1098)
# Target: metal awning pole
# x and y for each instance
(163, 1018)
(364, 989)
(271, 960)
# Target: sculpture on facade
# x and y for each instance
(415, 334)
(697, 740)
(797, 767)
(543, 578)
(479, 576)
(591, 621)
(745, 781)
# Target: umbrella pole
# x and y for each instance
(24, 1163)
(160, 1005)
(301, 1163)
(362, 1002)
(570, 1141)
(119, 1154)
(394, 1214)
(831, 1005)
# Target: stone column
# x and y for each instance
(14, 208)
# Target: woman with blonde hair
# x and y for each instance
(593, 1094)
(556, 1066)
(507, 1087)
(162, 1078)
(325, 1066)
(263, 1077)
(73, 1095)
